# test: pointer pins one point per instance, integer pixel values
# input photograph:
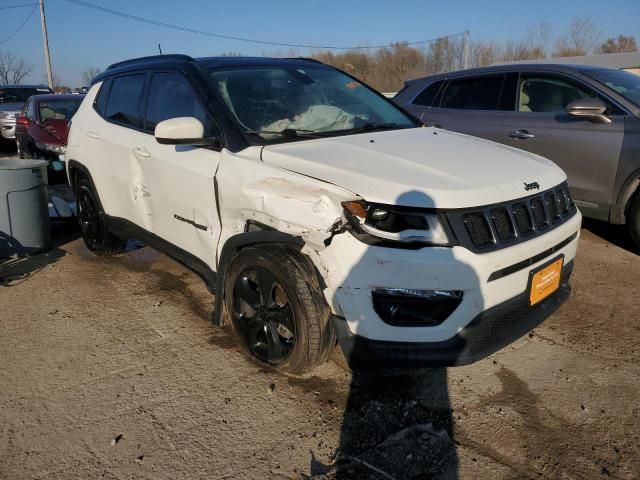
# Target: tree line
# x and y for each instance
(387, 68)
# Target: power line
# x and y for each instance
(13, 34)
(240, 39)
(18, 6)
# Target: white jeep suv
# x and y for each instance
(318, 211)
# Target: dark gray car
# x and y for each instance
(584, 118)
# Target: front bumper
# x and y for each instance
(8, 128)
(487, 333)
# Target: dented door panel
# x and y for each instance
(250, 190)
(179, 184)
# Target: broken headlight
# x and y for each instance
(400, 225)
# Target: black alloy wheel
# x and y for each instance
(264, 315)
(88, 217)
(91, 220)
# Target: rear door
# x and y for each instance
(588, 152)
(179, 180)
(113, 164)
(470, 105)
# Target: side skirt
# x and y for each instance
(126, 229)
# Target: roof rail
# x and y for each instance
(175, 56)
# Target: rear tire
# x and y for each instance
(277, 309)
(633, 219)
(92, 222)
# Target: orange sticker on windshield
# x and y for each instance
(352, 85)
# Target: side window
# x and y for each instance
(100, 102)
(171, 96)
(480, 93)
(552, 94)
(123, 105)
(428, 95)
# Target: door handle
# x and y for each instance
(141, 152)
(523, 134)
(92, 134)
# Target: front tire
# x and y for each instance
(93, 224)
(277, 309)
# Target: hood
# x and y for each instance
(11, 107)
(58, 129)
(418, 167)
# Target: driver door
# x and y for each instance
(179, 179)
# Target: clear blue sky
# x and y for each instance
(81, 38)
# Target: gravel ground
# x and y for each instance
(111, 369)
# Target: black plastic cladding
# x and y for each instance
(492, 227)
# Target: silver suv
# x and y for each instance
(12, 98)
(584, 118)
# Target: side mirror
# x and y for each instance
(22, 121)
(591, 109)
(182, 131)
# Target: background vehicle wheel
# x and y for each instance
(277, 309)
(92, 222)
(633, 219)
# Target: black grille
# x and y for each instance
(498, 226)
(524, 223)
(503, 224)
(551, 200)
(479, 230)
(539, 215)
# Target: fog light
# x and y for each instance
(415, 308)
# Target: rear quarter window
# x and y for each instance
(100, 102)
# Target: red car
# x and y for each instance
(42, 130)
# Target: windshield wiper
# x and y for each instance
(288, 132)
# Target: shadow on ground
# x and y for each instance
(14, 271)
(396, 424)
(616, 234)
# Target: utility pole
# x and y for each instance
(45, 40)
(465, 50)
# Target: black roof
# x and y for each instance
(159, 61)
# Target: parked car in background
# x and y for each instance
(42, 129)
(584, 118)
(12, 99)
(316, 209)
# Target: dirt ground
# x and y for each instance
(110, 368)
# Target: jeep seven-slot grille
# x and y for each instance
(498, 226)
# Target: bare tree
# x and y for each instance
(619, 45)
(13, 70)
(89, 74)
(583, 36)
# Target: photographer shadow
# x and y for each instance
(398, 422)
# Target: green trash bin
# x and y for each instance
(24, 214)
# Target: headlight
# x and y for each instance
(51, 147)
(8, 115)
(401, 225)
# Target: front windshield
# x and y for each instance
(58, 109)
(321, 101)
(625, 83)
(19, 95)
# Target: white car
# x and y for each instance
(318, 211)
